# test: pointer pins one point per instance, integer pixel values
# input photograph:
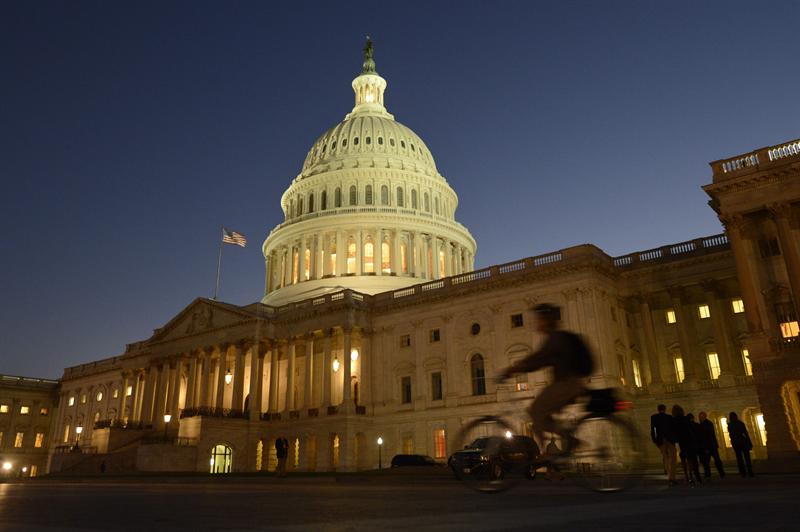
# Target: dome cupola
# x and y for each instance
(369, 211)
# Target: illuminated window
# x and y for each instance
(413, 199)
(671, 316)
(115, 393)
(332, 261)
(99, 396)
(704, 312)
(39, 441)
(384, 195)
(637, 374)
(679, 374)
(295, 266)
(351, 257)
(3, 409)
(790, 329)
(369, 258)
(477, 375)
(24, 409)
(435, 336)
(521, 384)
(516, 321)
(307, 265)
(439, 444)
(386, 258)
(408, 443)
(34, 469)
(713, 365)
(19, 439)
(66, 433)
(221, 459)
(441, 264)
(403, 257)
(296, 453)
(400, 198)
(368, 195)
(71, 401)
(436, 386)
(1, 438)
(335, 453)
(83, 399)
(96, 417)
(621, 366)
(405, 390)
(738, 306)
(129, 391)
(44, 411)
(762, 428)
(723, 422)
(748, 366)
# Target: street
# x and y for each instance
(764, 503)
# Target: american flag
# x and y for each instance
(232, 237)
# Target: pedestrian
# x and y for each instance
(688, 445)
(552, 451)
(709, 447)
(740, 441)
(662, 432)
(282, 452)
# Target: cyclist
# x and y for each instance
(572, 363)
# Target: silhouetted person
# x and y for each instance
(688, 444)
(103, 466)
(662, 432)
(282, 452)
(709, 448)
(740, 441)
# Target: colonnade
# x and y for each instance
(365, 252)
(252, 380)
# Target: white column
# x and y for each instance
(448, 258)
(301, 261)
(309, 384)
(191, 382)
(222, 367)
(273, 379)
(237, 398)
(347, 400)
(327, 371)
(287, 274)
(359, 252)
(396, 266)
(435, 256)
(175, 393)
(290, 376)
(256, 381)
(341, 253)
(378, 247)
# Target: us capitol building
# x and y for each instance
(374, 323)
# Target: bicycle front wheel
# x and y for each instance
(490, 459)
(609, 456)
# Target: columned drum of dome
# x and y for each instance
(369, 211)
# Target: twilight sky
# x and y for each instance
(130, 131)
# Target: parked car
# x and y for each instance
(517, 452)
(404, 460)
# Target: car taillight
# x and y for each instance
(623, 405)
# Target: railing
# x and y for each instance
(680, 250)
(742, 162)
(708, 384)
(673, 387)
(787, 150)
(743, 380)
(756, 158)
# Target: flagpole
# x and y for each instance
(219, 262)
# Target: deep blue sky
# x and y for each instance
(129, 132)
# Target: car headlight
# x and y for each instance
(484, 458)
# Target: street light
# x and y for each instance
(335, 364)
(380, 457)
(78, 431)
(167, 419)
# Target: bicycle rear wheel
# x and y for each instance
(609, 457)
(490, 458)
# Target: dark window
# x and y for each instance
(400, 199)
(384, 195)
(337, 198)
(368, 195)
(436, 386)
(435, 335)
(769, 247)
(353, 195)
(369, 140)
(405, 340)
(413, 199)
(405, 390)
(516, 320)
(475, 329)
(391, 142)
(344, 143)
(380, 141)
(333, 145)
(478, 375)
(323, 200)
(311, 202)
(403, 144)
(355, 141)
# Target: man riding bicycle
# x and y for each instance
(572, 364)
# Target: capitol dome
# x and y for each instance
(369, 210)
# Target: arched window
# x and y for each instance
(351, 256)
(384, 195)
(221, 459)
(427, 203)
(353, 195)
(368, 195)
(442, 270)
(477, 375)
(399, 198)
(311, 202)
(436, 204)
(413, 199)
(299, 206)
(307, 264)
(369, 257)
(295, 265)
(386, 258)
(323, 201)
(337, 198)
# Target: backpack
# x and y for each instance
(582, 361)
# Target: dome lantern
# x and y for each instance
(369, 87)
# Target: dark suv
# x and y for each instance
(515, 453)
(402, 460)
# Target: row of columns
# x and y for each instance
(313, 254)
(156, 390)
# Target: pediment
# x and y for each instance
(202, 315)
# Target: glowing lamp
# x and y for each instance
(354, 355)
(6, 466)
(380, 440)
(167, 418)
(78, 430)
(509, 435)
(228, 377)
(336, 364)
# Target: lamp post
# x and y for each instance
(167, 419)
(78, 431)
(380, 457)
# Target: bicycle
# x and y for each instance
(607, 455)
